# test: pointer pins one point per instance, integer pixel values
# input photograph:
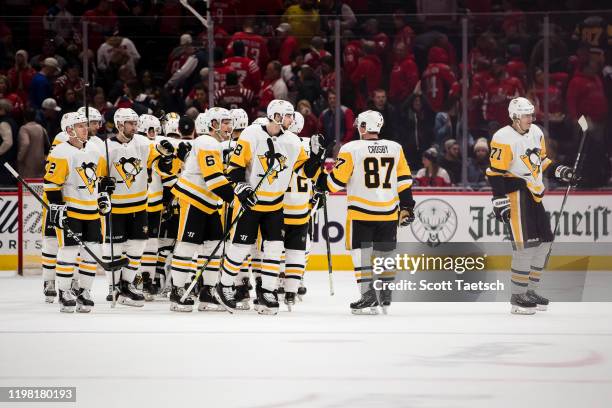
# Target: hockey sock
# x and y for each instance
(134, 250)
(211, 272)
(363, 268)
(106, 256)
(66, 261)
(294, 269)
(538, 261)
(149, 257)
(49, 255)
(88, 267)
(521, 262)
(244, 270)
(385, 276)
(270, 264)
(181, 265)
(235, 254)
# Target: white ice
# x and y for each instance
(420, 355)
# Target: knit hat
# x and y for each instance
(481, 143)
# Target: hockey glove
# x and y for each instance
(183, 151)
(321, 184)
(406, 216)
(57, 215)
(317, 144)
(165, 148)
(246, 195)
(566, 174)
(165, 164)
(107, 185)
(104, 203)
(317, 200)
(172, 208)
(501, 208)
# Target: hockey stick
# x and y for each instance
(327, 244)
(110, 266)
(228, 231)
(109, 224)
(584, 126)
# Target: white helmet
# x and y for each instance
(281, 107)
(298, 123)
(70, 119)
(171, 125)
(520, 106)
(373, 121)
(146, 122)
(261, 121)
(218, 114)
(124, 115)
(202, 124)
(94, 114)
(240, 119)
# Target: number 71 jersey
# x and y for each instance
(373, 172)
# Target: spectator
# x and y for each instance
(100, 103)
(404, 75)
(327, 120)
(59, 21)
(8, 146)
(476, 93)
(367, 76)
(118, 51)
(20, 76)
(328, 75)
(179, 54)
(255, 46)
(451, 161)
(586, 96)
(33, 146)
(438, 78)
(71, 101)
(311, 123)
(352, 51)
(432, 174)
(198, 99)
(446, 122)
(556, 104)
(249, 75)
(329, 9)
(379, 103)
(102, 21)
(515, 66)
(501, 89)
(48, 51)
(415, 130)
(289, 47)
(308, 86)
(478, 164)
(380, 39)
(483, 53)
(70, 80)
(316, 53)
(16, 101)
(404, 34)
(234, 95)
(49, 117)
(40, 87)
(305, 21)
(273, 86)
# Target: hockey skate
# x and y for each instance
(74, 287)
(522, 304)
(301, 291)
(176, 305)
(384, 297)
(129, 295)
(541, 302)
(208, 302)
(280, 292)
(290, 300)
(109, 297)
(257, 293)
(149, 290)
(367, 305)
(225, 296)
(267, 302)
(49, 291)
(67, 301)
(242, 295)
(84, 303)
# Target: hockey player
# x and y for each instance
(263, 211)
(378, 185)
(200, 187)
(70, 179)
(518, 160)
(129, 157)
(95, 121)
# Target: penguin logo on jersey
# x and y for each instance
(532, 160)
(87, 172)
(273, 175)
(128, 169)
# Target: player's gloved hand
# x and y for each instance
(321, 184)
(318, 144)
(165, 164)
(172, 208)
(165, 148)
(107, 185)
(317, 200)
(227, 153)
(501, 208)
(566, 174)
(406, 216)
(183, 150)
(246, 195)
(57, 215)
(104, 203)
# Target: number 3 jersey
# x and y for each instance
(296, 204)
(376, 177)
(73, 173)
(517, 160)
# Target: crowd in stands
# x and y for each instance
(404, 61)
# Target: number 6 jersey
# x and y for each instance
(375, 174)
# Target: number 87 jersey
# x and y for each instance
(374, 173)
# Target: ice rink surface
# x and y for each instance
(420, 355)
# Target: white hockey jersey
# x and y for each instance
(296, 203)
(75, 172)
(520, 156)
(250, 154)
(202, 174)
(157, 182)
(373, 172)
